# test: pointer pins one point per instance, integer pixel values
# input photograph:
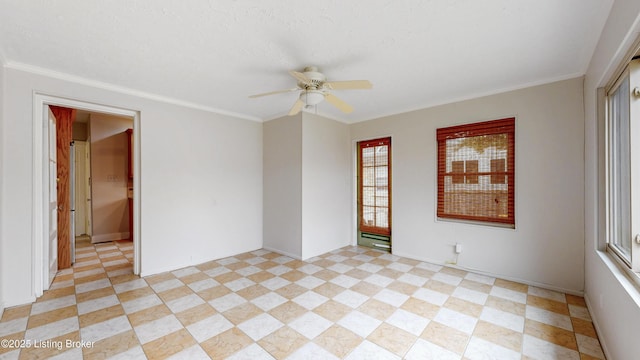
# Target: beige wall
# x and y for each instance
(3, 268)
(200, 183)
(282, 189)
(326, 185)
(307, 194)
(546, 247)
(109, 175)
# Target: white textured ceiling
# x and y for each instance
(214, 54)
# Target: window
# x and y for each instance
(476, 172)
(623, 169)
(374, 182)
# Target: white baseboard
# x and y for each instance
(594, 321)
(499, 276)
(297, 257)
(109, 237)
(16, 302)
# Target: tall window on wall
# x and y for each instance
(476, 172)
(623, 169)
(374, 185)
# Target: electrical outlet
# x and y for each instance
(458, 248)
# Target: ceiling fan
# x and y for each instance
(314, 88)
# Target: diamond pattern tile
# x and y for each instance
(351, 303)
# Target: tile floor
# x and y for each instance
(352, 303)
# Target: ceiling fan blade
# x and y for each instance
(274, 92)
(296, 107)
(302, 78)
(341, 105)
(349, 85)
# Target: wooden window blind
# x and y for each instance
(374, 186)
(476, 171)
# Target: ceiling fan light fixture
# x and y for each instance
(312, 97)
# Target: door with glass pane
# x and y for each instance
(374, 193)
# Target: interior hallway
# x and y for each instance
(353, 303)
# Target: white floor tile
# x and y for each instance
(310, 325)
(209, 327)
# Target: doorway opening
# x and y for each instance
(42, 179)
(374, 193)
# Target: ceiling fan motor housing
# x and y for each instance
(316, 78)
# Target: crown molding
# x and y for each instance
(122, 90)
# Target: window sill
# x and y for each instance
(629, 280)
(481, 223)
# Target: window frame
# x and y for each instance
(612, 160)
(492, 127)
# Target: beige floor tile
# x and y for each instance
(237, 265)
(57, 293)
(293, 275)
(420, 307)
(511, 285)
(287, 312)
(377, 309)
(440, 287)
(227, 277)
(253, 291)
(135, 294)
(547, 304)
(282, 342)
(324, 263)
(225, 344)
(551, 334)
(265, 265)
(242, 313)
(474, 285)
(52, 316)
(453, 271)
(291, 291)
(149, 314)
(100, 315)
(358, 274)
(366, 288)
(329, 289)
(194, 277)
(15, 312)
(506, 305)
(175, 293)
(446, 337)
(332, 310)
(390, 273)
(421, 272)
(260, 276)
(338, 341)
(583, 327)
(575, 300)
(155, 279)
(214, 292)
(402, 287)
(10, 337)
(463, 306)
(95, 294)
(169, 345)
(195, 314)
(115, 280)
(111, 346)
(57, 347)
(326, 275)
(499, 335)
(392, 338)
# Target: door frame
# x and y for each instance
(40, 175)
(354, 184)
